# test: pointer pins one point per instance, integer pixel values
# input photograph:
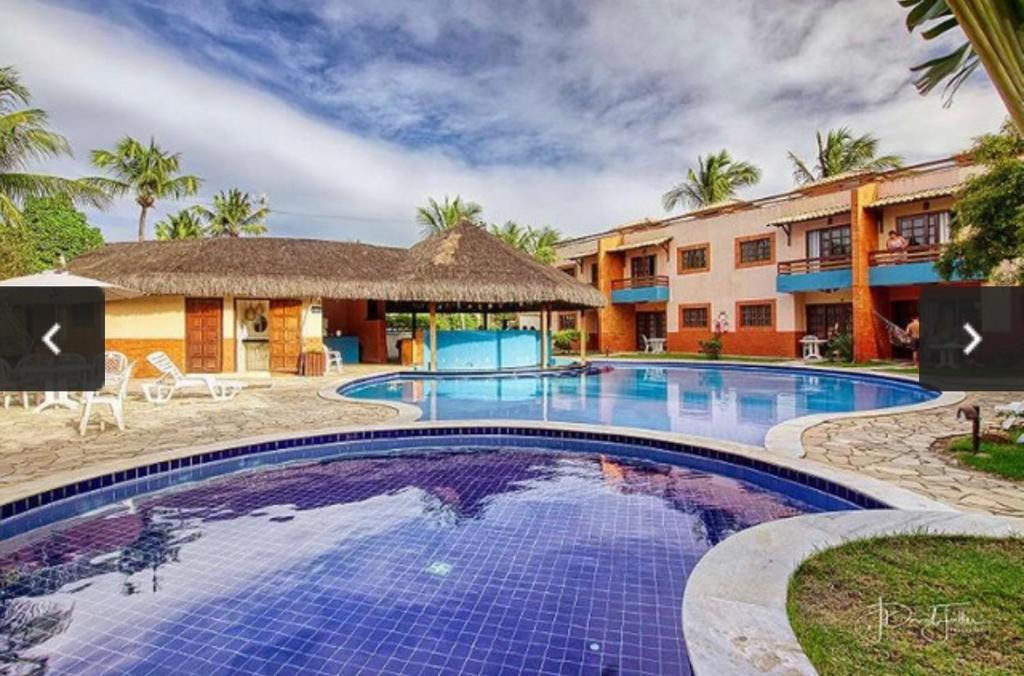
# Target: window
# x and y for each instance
(924, 229)
(828, 242)
(566, 321)
(641, 266)
(695, 317)
(827, 319)
(756, 315)
(372, 310)
(696, 258)
(593, 274)
(757, 250)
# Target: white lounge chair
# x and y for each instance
(172, 379)
(647, 344)
(1012, 414)
(117, 373)
(332, 358)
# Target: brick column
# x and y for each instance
(869, 338)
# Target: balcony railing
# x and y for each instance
(912, 254)
(639, 282)
(804, 266)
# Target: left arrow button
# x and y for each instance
(48, 339)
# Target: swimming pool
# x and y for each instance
(732, 403)
(462, 555)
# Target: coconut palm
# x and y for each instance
(840, 152)
(438, 217)
(538, 242)
(184, 224)
(995, 34)
(24, 137)
(716, 179)
(235, 214)
(514, 234)
(544, 241)
(149, 172)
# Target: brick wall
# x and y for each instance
(137, 349)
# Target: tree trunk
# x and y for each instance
(142, 224)
(991, 27)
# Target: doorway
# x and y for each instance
(902, 312)
(285, 335)
(204, 326)
(650, 324)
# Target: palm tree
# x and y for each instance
(716, 179)
(182, 225)
(840, 152)
(147, 171)
(235, 214)
(437, 217)
(514, 234)
(995, 41)
(24, 137)
(538, 242)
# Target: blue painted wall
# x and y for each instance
(644, 294)
(347, 345)
(814, 281)
(483, 350)
(904, 273)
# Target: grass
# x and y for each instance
(834, 606)
(885, 365)
(1003, 458)
(696, 356)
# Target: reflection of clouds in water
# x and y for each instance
(325, 555)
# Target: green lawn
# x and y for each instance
(835, 612)
(696, 356)
(886, 365)
(1003, 458)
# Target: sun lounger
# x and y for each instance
(172, 379)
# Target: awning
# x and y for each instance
(811, 215)
(947, 191)
(639, 245)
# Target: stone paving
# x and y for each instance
(33, 445)
(902, 449)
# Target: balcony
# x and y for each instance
(916, 265)
(814, 274)
(640, 289)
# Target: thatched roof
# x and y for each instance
(463, 266)
(467, 264)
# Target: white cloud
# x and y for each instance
(623, 96)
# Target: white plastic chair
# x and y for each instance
(172, 379)
(115, 387)
(332, 358)
(7, 386)
(647, 344)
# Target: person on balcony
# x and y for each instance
(896, 245)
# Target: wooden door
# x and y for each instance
(285, 335)
(204, 324)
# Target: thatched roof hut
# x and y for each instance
(468, 268)
(465, 268)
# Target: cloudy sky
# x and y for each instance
(350, 113)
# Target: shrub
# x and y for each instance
(840, 347)
(712, 347)
(565, 338)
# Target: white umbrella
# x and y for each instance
(52, 279)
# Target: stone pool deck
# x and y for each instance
(901, 449)
(34, 445)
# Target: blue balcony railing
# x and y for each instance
(913, 265)
(814, 274)
(640, 289)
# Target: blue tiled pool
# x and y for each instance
(732, 403)
(496, 559)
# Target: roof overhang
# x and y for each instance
(947, 191)
(661, 241)
(809, 215)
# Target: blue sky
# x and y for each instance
(571, 114)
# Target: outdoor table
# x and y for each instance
(812, 347)
(657, 345)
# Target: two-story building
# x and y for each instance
(774, 269)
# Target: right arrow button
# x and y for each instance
(975, 339)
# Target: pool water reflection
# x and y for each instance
(486, 561)
(719, 402)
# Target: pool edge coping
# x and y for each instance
(739, 588)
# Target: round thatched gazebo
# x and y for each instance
(467, 269)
